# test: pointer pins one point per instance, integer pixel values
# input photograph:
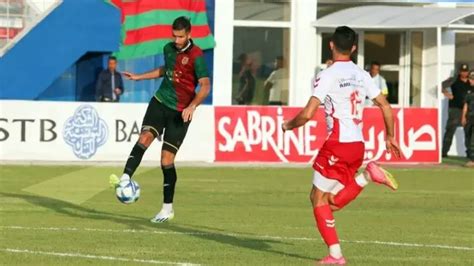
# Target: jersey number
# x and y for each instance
(355, 103)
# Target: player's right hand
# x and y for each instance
(130, 76)
(188, 112)
(284, 126)
(393, 147)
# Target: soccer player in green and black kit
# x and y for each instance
(171, 109)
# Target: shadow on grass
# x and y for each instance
(455, 161)
(73, 210)
(138, 223)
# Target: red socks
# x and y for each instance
(347, 194)
(326, 224)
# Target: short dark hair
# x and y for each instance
(344, 38)
(375, 63)
(182, 23)
(112, 58)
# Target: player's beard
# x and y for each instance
(183, 46)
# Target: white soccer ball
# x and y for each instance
(128, 191)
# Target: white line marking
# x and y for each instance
(373, 242)
(89, 256)
(408, 244)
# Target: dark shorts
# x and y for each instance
(160, 118)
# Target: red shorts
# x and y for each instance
(339, 161)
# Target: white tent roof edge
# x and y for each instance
(396, 17)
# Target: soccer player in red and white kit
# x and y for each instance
(342, 89)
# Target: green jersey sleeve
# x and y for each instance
(200, 67)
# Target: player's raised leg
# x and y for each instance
(135, 157)
(350, 157)
(349, 192)
(379, 175)
(372, 173)
(152, 127)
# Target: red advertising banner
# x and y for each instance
(253, 134)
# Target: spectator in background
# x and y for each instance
(276, 82)
(467, 121)
(456, 96)
(377, 78)
(379, 81)
(329, 62)
(246, 81)
(109, 84)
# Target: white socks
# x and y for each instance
(124, 177)
(335, 251)
(361, 180)
(167, 207)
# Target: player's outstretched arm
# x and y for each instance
(304, 115)
(156, 73)
(205, 85)
(391, 143)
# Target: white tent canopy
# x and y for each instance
(397, 17)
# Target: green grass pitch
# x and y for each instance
(66, 215)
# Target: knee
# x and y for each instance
(167, 159)
(332, 202)
(321, 200)
(146, 138)
(167, 163)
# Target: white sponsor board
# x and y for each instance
(79, 131)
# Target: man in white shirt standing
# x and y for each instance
(379, 80)
(277, 82)
(342, 88)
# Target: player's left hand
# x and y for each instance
(187, 113)
(118, 91)
(392, 147)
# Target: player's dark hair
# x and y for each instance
(375, 63)
(344, 38)
(112, 58)
(182, 23)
